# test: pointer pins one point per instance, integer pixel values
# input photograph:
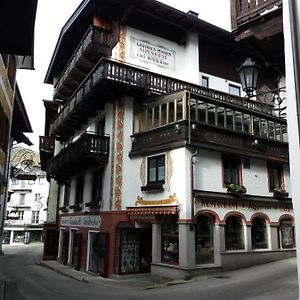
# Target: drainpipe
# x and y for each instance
(192, 190)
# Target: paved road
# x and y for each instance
(22, 279)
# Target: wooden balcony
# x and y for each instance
(112, 79)
(95, 44)
(46, 150)
(89, 150)
(244, 11)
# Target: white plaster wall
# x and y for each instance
(218, 83)
(186, 57)
(208, 174)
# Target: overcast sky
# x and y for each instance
(51, 16)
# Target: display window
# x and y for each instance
(259, 234)
(234, 233)
(170, 240)
(287, 232)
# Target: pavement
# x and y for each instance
(144, 281)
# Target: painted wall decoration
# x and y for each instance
(169, 171)
(143, 172)
(153, 54)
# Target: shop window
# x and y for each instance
(204, 249)
(234, 233)
(156, 169)
(275, 174)
(234, 90)
(97, 185)
(287, 232)
(259, 233)
(170, 240)
(205, 81)
(79, 189)
(231, 170)
(35, 214)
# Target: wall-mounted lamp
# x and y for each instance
(177, 128)
(133, 140)
(194, 126)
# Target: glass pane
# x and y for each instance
(204, 81)
(149, 119)
(287, 236)
(247, 123)
(256, 127)
(229, 118)
(221, 116)
(171, 112)
(238, 121)
(163, 120)
(271, 130)
(259, 234)
(234, 90)
(156, 117)
(202, 111)
(264, 127)
(161, 168)
(278, 134)
(130, 252)
(211, 108)
(234, 234)
(179, 115)
(193, 103)
(284, 133)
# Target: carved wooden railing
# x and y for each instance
(139, 78)
(82, 153)
(243, 11)
(95, 42)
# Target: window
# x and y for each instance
(205, 81)
(275, 174)
(234, 233)
(31, 182)
(170, 240)
(97, 185)
(41, 180)
(22, 199)
(79, 190)
(20, 214)
(67, 193)
(231, 170)
(234, 90)
(259, 233)
(156, 169)
(35, 217)
(287, 233)
(37, 197)
(23, 184)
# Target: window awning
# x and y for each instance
(148, 214)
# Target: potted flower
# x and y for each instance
(236, 189)
(280, 192)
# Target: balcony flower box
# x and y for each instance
(280, 193)
(236, 189)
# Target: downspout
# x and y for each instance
(192, 191)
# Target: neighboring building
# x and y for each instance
(16, 51)
(27, 207)
(154, 142)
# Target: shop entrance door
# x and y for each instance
(98, 254)
(76, 249)
(204, 246)
(64, 247)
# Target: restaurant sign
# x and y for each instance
(81, 221)
(158, 55)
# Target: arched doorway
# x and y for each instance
(204, 240)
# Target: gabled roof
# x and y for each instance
(147, 15)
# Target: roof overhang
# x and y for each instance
(150, 16)
(17, 20)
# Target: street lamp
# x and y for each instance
(248, 72)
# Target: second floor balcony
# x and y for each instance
(46, 150)
(184, 118)
(112, 78)
(89, 150)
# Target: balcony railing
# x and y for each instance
(84, 100)
(95, 44)
(89, 150)
(243, 11)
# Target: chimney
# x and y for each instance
(193, 13)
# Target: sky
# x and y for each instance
(50, 18)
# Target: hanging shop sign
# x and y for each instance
(154, 54)
(81, 221)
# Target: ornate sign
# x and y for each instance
(81, 221)
(158, 55)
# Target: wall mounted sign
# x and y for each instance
(147, 52)
(81, 221)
